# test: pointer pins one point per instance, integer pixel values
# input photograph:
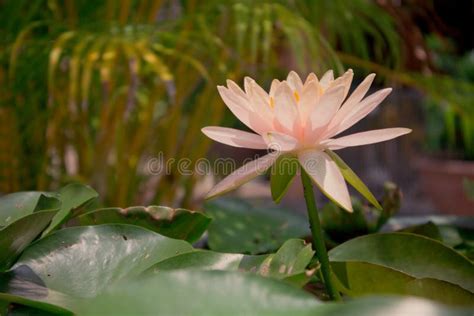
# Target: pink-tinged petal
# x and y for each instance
(236, 104)
(273, 87)
(260, 101)
(309, 99)
(362, 109)
(260, 125)
(235, 137)
(326, 108)
(311, 77)
(281, 142)
(247, 82)
(345, 80)
(294, 81)
(325, 173)
(244, 174)
(326, 79)
(365, 138)
(361, 90)
(236, 89)
(286, 112)
(352, 101)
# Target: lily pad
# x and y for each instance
(15, 237)
(26, 293)
(72, 197)
(290, 262)
(414, 255)
(189, 292)
(362, 279)
(211, 293)
(173, 223)
(239, 227)
(16, 205)
(83, 261)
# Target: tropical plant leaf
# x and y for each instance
(173, 223)
(237, 226)
(353, 179)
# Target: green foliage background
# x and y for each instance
(89, 90)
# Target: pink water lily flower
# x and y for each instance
(302, 119)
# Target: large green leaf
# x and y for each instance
(389, 306)
(174, 223)
(16, 205)
(360, 279)
(15, 237)
(290, 262)
(231, 293)
(191, 292)
(282, 174)
(353, 179)
(415, 255)
(72, 197)
(27, 292)
(82, 261)
(238, 226)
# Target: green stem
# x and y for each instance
(318, 240)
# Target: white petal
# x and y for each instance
(244, 174)
(327, 107)
(325, 173)
(281, 142)
(235, 137)
(326, 79)
(285, 110)
(365, 138)
(363, 109)
(294, 81)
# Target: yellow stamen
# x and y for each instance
(297, 96)
(321, 90)
(272, 102)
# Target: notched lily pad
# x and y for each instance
(174, 223)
